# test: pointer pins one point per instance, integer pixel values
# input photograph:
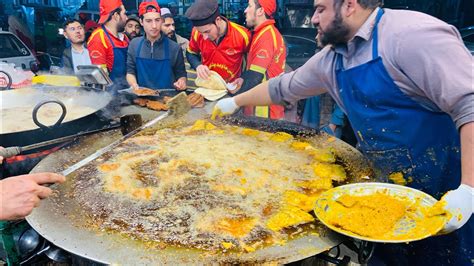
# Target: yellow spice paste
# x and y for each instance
(380, 216)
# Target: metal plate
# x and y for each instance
(362, 189)
(58, 220)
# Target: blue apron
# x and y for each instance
(311, 112)
(154, 73)
(399, 134)
(119, 70)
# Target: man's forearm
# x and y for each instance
(467, 154)
(132, 80)
(257, 96)
(193, 59)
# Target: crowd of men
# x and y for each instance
(156, 60)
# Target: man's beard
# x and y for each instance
(81, 42)
(121, 27)
(336, 33)
(131, 35)
(251, 23)
(172, 35)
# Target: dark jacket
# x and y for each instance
(67, 61)
(176, 55)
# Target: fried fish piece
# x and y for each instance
(140, 102)
(328, 170)
(107, 167)
(302, 201)
(196, 100)
(288, 216)
(142, 91)
(156, 105)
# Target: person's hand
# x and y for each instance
(224, 107)
(459, 203)
(135, 86)
(180, 84)
(237, 84)
(332, 127)
(20, 194)
(196, 100)
(203, 72)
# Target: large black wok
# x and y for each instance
(58, 219)
(78, 111)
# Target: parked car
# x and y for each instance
(467, 35)
(13, 50)
(301, 45)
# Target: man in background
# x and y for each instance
(132, 27)
(108, 45)
(154, 61)
(216, 43)
(267, 55)
(169, 29)
(77, 54)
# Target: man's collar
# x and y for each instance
(77, 51)
(227, 25)
(365, 31)
(157, 40)
(120, 35)
(264, 24)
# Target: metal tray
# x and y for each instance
(362, 189)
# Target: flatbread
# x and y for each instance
(215, 82)
(213, 88)
(211, 95)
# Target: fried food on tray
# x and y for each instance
(156, 105)
(196, 100)
(140, 101)
(382, 214)
(142, 91)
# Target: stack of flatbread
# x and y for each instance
(212, 88)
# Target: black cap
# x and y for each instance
(203, 12)
(133, 17)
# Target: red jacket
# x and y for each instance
(101, 50)
(225, 58)
(267, 56)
